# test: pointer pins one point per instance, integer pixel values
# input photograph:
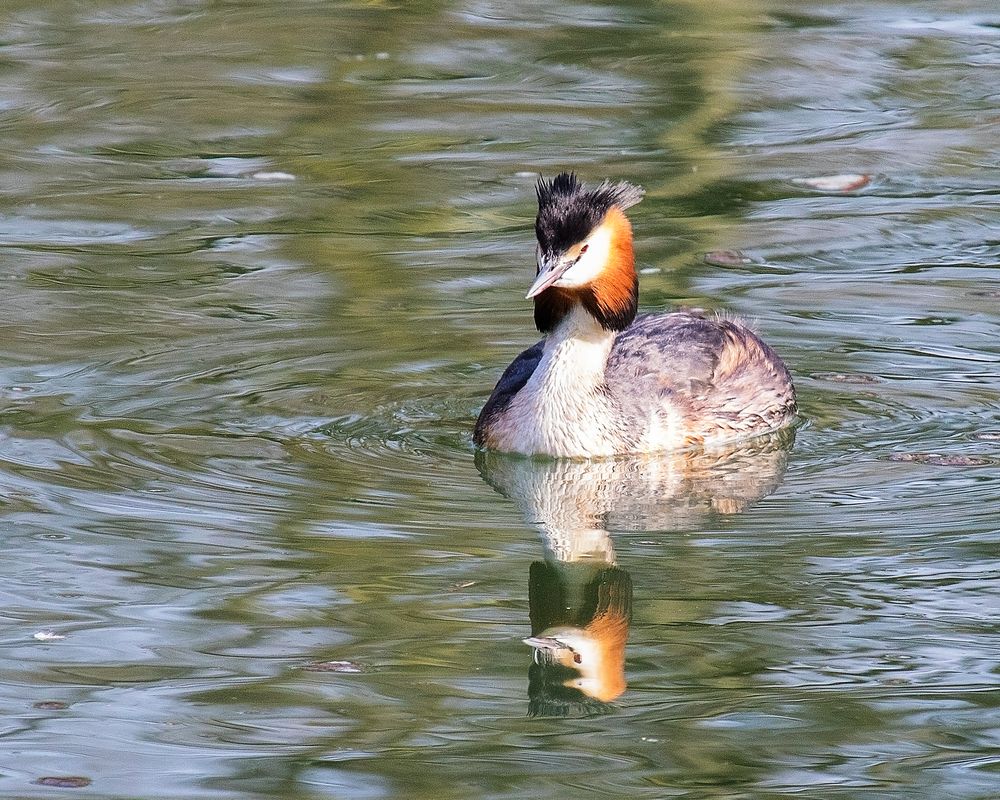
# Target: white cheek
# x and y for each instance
(591, 263)
(586, 654)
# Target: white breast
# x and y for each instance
(563, 409)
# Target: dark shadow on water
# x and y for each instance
(580, 599)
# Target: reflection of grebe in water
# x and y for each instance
(580, 612)
(580, 600)
(604, 382)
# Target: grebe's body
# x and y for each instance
(604, 382)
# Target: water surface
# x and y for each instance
(261, 264)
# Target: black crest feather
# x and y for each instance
(568, 210)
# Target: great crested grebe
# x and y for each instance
(605, 382)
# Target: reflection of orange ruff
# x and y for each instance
(610, 632)
(580, 644)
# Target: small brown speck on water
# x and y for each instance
(63, 781)
(50, 705)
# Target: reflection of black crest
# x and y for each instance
(548, 697)
(568, 211)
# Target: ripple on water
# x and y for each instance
(63, 234)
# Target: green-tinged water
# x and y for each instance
(261, 264)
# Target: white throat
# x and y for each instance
(564, 408)
(580, 328)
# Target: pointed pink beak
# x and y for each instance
(549, 271)
(545, 643)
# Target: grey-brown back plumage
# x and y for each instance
(716, 372)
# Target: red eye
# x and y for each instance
(584, 249)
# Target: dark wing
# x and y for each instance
(510, 383)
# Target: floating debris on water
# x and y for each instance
(48, 636)
(63, 781)
(50, 705)
(845, 377)
(727, 258)
(941, 460)
(835, 183)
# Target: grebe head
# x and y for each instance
(585, 252)
(594, 659)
